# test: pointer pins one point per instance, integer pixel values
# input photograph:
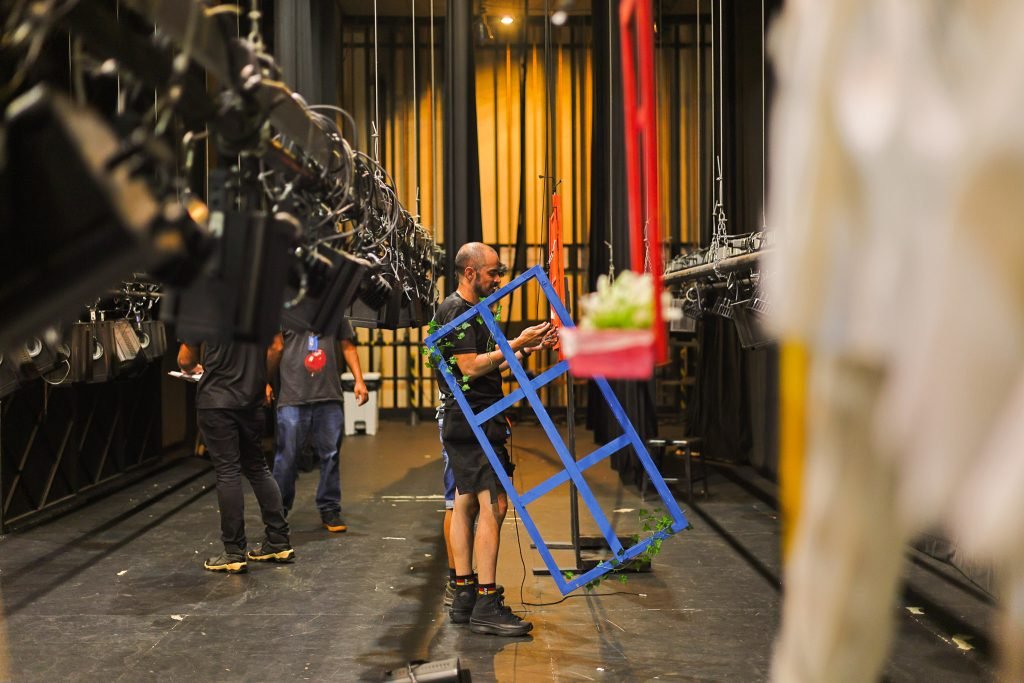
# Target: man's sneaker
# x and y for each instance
(490, 616)
(232, 563)
(462, 604)
(270, 552)
(333, 522)
(449, 592)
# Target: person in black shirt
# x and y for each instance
(229, 413)
(309, 406)
(478, 494)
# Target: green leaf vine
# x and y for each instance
(651, 521)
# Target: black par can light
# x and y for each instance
(75, 219)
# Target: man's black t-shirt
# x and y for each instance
(485, 390)
(298, 385)
(234, 376)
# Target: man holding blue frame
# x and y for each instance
(472, 356)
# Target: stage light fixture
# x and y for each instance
(331, 281)
(76, 220)
(240, 294)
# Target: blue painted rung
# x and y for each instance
(518, 394)
(557, 480)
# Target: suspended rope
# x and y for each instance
(433, 159)
(611, 151)
(120, 99)
(520, 256)
(718, 242)
(416, 115)
(721, 83)
(376, 92)
(657, 100)
(764, 136)
(714, 101)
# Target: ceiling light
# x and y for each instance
(507, 20)
(559, 18)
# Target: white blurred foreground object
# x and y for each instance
(897, 176)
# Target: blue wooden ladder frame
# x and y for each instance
(573, 470)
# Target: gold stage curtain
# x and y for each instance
(415, 162)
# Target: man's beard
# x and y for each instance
(483, 292)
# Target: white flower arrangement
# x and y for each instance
(627, 303)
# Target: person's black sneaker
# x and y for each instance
(490, 616)
(333, 522)
(449, 592)
(232, 563)
(270, 552)
(462, 603)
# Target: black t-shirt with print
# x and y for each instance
(476, 338)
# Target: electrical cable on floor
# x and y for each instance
(579, 595)
(515, 520)
(522, 561)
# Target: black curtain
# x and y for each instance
(608, 221)
(462, 219)
(306, 43)
(736, 404)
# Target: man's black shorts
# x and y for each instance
(472, 470)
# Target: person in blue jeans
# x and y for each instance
(309, 409)
(448, 477)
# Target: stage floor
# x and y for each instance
(115, 591)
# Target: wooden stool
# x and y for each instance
(657, 447)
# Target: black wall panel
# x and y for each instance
(60, 443)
